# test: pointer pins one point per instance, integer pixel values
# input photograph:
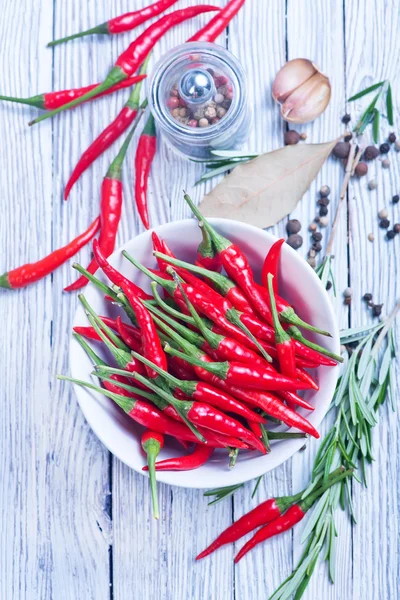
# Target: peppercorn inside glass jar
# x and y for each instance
(198, 97)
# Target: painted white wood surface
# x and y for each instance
(73, 519)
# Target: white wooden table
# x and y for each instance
(75, 522)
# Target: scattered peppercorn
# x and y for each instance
(323, 222)
(293, 226)
(341, 150)
(323, 211)
(323, 201)
(312, 262)
(384, 148)
(372, 184)
(396, 228)
(317, 247)
(348, 292)
(324, 191)
(383, 213)
(384, 224)
(312, 253)
(348, 136)
(390, 234)
(367, 297)
(295, 241)
(371, 152)
(303, 136)
(346, 118)
(395, 199)
(377, 310)
(291, 137)
(317, 219)
(392, 138)
(361, 169)
(312, 227)
(386, 163)
(317, 236)
(371, 237)
(347, 301)
(328, 285)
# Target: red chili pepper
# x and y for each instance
(31, 272)
(196, 459)
(125, 22)
(91, 333)
(304, 376)
(151, 344)
(293, 400)
(128, 62)
(51, 100)
(130, 340)
(237, 266)
(217, 25)
(271, 263)
(152, 442)
(300, 339)
(283, 341)
(109, 135)
(292, 516)
(207, 257)
(110, 212)
(145, 153)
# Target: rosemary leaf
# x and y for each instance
(256, 486)
(389, 104)
(375, 126)
(367, 90)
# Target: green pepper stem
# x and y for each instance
(167, 308)
(97, 282)
(152, 449)
(102, 29)
(280, 334)
(37, 101)
(166, 284)
(101, 328)
(289, 316)
(89, 351)
(127, 404)
(221, 282)
(296, 334)
(219, 369)
(104, 373)
(219, 241)
(191, 336)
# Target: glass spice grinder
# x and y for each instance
(198, 97)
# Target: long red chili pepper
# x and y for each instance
(283, 341)
(90, 333)
(196, 459)
(152, 442)
(109, 135)
(292, 516)
(110, 211)
(128, 62)
(130, 340)
(31, 272)
(151, 344)
(51, 100)
(207, 256)
(122, 23)
(217, 25)
(237, 266)
(180, 368)
(145, 152)
(271, 263)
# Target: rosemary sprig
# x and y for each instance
(225, 160)
(371, 114)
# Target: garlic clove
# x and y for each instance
(308, 101)
(291, 76)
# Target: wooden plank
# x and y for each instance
(373, 54)
(55, 476)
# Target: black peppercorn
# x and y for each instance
(361, 169)
(390, 234)
(392, 138)
(396, 228)
(384, 148)
(293, 226)
(323, 211)
(317, 219)
(323, 201)
(367, 297)
(317, 247)
(324, 191)
(328, 285)
(341, 150)
(384, 224)
(317, 236)
(346, 118)
(377, 310)
(291, 137)
(348, 137)
(395, 199)
(295, 241)
(371, 152)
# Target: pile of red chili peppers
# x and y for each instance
(123, 75)
(212, 363)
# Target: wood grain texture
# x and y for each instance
(79, 519)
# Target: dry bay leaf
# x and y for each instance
(266, 189)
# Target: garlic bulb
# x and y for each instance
(302, 90)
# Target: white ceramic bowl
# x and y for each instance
(300, 286)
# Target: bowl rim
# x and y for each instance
(287, 447)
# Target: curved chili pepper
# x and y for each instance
(110, 212)
(90, 332)
(109, 135)
(180, 368)
(128, 62)
(196, 459)
(31, 272)
(304, 376)
(150, 340)
(51, 100)
(122, 23)
(152, 442)
(283, 341)
(237, 266)
(145, 152)
(130, 340)
(271, 263)
(217, 25)
(293, 400)
(292, 516)
(207, 257)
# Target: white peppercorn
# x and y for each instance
(371, 237)
(386, 163)
(203, 122)
(348, 292)
(218, 98)
(324, 221)
(324, 191)
(372, 184)
(210, 112)
(383, 213)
